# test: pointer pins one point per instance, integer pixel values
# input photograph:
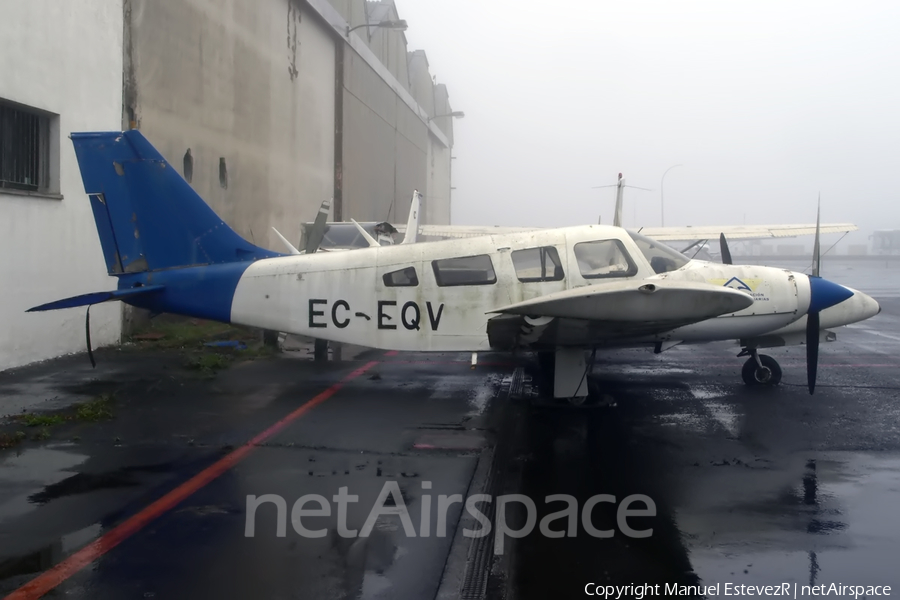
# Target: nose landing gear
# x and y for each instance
(760, 369)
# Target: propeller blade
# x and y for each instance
(726, 252)
(317, 232)
(817, 256)
(87, 336)
(812, 350)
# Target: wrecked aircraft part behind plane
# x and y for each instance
(564, 290)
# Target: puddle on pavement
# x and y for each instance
(724, 416)
(478, 398)
(836, 525)
(701, 392)
(32, 469)
(686, 421)
(50, 555)
(655, 370)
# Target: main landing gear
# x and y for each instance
(760, 369)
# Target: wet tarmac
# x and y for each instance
(749, 486)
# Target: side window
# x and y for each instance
(467, 270)
(603, 259)
(537, 264)
(402, 278)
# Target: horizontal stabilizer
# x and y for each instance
(636, 302)
(97, 298)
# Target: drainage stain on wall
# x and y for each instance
(223, 173)
(293, 20)
(188, 166)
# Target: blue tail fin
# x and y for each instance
(148, 217)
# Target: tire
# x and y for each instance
(770, 375)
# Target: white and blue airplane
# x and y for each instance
(559, 292)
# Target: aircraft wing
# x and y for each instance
(465, 231)
(634, 304)
(741, 232)
(701, 232)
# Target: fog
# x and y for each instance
(764, 104)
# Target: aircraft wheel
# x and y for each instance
(769, 374)
(576, 400)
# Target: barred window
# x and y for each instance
(24, 148)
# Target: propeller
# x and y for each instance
(726, 252)
(812, 316)
(317, 232)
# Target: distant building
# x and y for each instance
(790, 249)
(267, 109)
(886, 242)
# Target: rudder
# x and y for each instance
(148, 217)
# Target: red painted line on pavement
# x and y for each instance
(54, 576)
(391, 353)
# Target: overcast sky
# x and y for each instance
(764, 103)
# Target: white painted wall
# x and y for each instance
(65, 58)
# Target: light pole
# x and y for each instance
(399, 25)
(456, 114)
(662, 210)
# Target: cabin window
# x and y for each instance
(661, 257)
(604, 259)
(402, 278)
(537, 264)
(466, 270)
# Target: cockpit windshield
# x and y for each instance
(662, 258)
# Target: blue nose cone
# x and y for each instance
(825, 294)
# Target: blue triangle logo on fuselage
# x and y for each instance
(737, 284)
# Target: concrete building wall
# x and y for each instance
(437, 195)
(440, 163)
(388, 45)
(390, 108)
(421, 85)
(64, 58)
(351, 11)
(269, 102)
(247, 81)
(384, 150)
